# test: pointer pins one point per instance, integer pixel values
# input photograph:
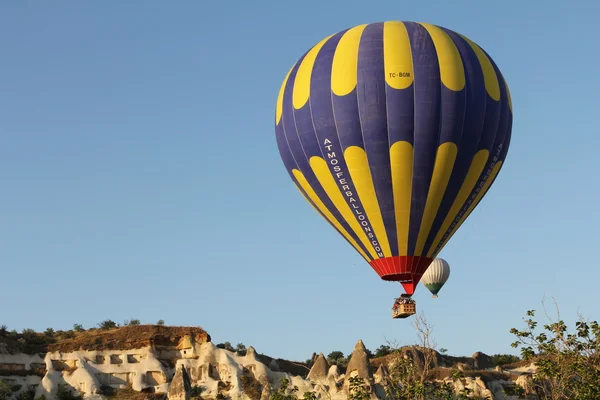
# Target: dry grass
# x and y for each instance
(122, 338)
(517, 364)
(251, 387)
(130, 394)
(487, 376)
(128, 337)
(385, 360)
(291, 367)
(440, 373)
(12, 372)
(30, 343)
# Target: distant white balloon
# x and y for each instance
(436, 275)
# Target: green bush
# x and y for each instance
(64, 393)
(358, 389)
(5, 391)
(251, 387)
(196, 392)
(383, 350)
(568, 364)
(504, 359)
(27, 395)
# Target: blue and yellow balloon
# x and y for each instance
(394, 132)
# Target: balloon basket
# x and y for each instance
(404, 310)
(435, 296)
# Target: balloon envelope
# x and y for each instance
(436, 275)
(394, 132)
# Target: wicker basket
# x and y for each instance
(404, 310)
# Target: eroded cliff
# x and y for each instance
(181, 362)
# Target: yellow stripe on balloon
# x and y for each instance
(477, 165)
(401, 163)
(302, 81)
(444, 162)
(474, 204)
(397, 55)
(358, 166)
(279, 107)
(344, 69)
(452, 72)
(508, 96)
(492, 86)
(323, 174)
(319, 206)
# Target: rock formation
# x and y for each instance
(359, 363)
(358, 366)
(180, 387)
(482, 361)
(320, 368)
(382, 375)
(173, 362)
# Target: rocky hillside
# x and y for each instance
(153, 361)
(122, 338)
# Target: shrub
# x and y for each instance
(568, 364)
(64, 393)
(504, 359)
(27, 395)
(108, 325)
(251, 387)
(5, 391)
(196, 391)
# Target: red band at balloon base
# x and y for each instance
(407, 270)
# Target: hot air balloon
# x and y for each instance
(394, 132)
(436, 276)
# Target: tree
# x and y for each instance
(503, 359)
(49, 332)
(443, 350)
(411, 367)
(65, 393)
(29, 333)
(336, 357)
(108, 325)
(568, 364)
(240, 348)
(132, 322)
(26, 395)
(78, 328)
(160, 322)
(251, 387)
(426, 343)
(309, 396)
(358, 389)
(284, 391)
(196, 392)
(383, 350)
(5, 391)
(226, 346)
(67, 335)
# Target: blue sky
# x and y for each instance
(141, 178)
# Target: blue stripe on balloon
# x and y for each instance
(427, 106)
(371, 96)
(474, 114)
(288, 132)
